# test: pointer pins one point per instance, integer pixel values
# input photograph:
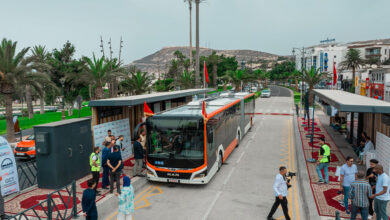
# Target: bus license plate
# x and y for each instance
(173, 181)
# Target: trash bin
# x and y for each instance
(63, 150)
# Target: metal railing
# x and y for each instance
(60, 204)
(27, 174)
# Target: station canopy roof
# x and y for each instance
(149, 98)
(349, 102)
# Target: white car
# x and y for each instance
(265, 93)
(254, 89)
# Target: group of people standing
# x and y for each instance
(366, 190)
(112, 164)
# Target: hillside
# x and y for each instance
(159, 61)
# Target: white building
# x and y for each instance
(379, 49)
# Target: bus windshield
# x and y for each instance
(175, 138)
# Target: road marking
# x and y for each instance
(291, 146)
(229, 175)
(239, 159)
(212, 205)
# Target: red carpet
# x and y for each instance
(325, 196)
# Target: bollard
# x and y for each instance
(74, 199)
(337, 215)
(297, 109)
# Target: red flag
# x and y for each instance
(334, 74)
(147, 110)
(206, 75)
(204, 113)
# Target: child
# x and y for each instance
(126, 200)
(88, 201)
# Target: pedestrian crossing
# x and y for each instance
(275, 110)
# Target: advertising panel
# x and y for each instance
(119, 127)
(8, 169)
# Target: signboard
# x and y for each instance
(383, 150)
(8, 170)
(119, 127)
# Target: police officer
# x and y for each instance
(323, 161)
(94, 162)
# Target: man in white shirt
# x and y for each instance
(280, 190)
(382, 195)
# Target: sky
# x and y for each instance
(274, 26)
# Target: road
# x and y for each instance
(242, 189)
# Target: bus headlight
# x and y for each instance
(200, 175)
(148, 172)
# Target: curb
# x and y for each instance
(109, 204)
(308, 204)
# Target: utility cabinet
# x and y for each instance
(63, 150)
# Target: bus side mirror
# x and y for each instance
(210, 137)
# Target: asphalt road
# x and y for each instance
(242, 189)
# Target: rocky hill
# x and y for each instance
(159, 61)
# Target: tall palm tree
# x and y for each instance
(13, 67)
(236, 78)
(312, 77)
(39, 61)
(213, 60)
(352, 60)
(190, 12)
(197, 73)
(186, 80)
(138, 83)
(295, 75)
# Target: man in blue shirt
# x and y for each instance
(280, 190)
(88, 201)
(106, 170)
(114, 161)
(359, 193)
(382, 196)
(347, 176)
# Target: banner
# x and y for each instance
(8, 169)
(119, 127)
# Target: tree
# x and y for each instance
(213, 60)
(163, 85)
(261, 76)
(312, 77)
(225, 64)
(137, 84)
(295, 75)
(13, 67)
(186, 80)
(236, 78)
(352, 60)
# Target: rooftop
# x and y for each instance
(349, 102)
(149, 98)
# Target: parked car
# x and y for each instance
(254, 89)
(265, 93)
(26, 148)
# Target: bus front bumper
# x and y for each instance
(151, 175)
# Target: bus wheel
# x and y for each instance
(220, 161)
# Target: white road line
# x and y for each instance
(206, 215)
(239, 159)
(229, 175)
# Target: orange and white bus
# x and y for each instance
(184, 147)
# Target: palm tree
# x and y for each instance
(39, 61)
(352, 60)
(236, 78)
(97, 74)
(186, 80)
(13, 67)
(213, 60)
(137, 84)
(295, 75)
(312, 77)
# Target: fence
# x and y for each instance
(27, 173)
(60, 204)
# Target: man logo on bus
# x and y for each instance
(7, 163)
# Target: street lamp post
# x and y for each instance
(62, 81)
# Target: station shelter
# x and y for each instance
(365, 114)
(122, 114)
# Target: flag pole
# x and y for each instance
(333, 76)
(204, 79)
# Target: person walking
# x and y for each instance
(382, 196)
(94, 162)
(371, 175)
(280, 190)
(347, 176)
(106, 170)
(359, 193)
(323, 161)
(126, 200)
(114, 161)
(138, 156)
(88, 201)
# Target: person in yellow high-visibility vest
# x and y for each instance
(323, 161)
(94, 162)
